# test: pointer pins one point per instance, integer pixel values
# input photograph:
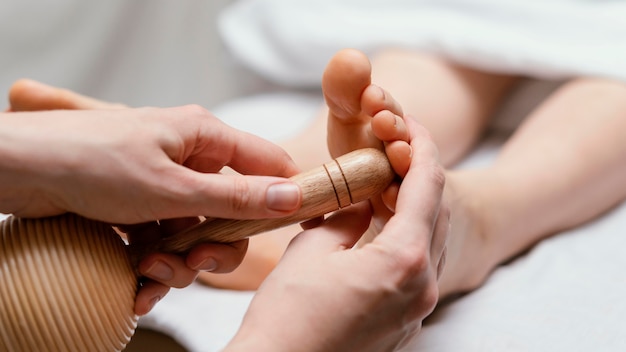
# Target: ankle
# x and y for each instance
(472, 253)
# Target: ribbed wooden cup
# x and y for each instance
(66, 284)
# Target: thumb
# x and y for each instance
(186, 192)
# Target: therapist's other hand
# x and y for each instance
(162, 270)
(326, 295)
(135, 165)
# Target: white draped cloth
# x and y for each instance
(291, 41)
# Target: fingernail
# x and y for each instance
(209, 264)
(160, 271)
(153, 302)
(283, 196)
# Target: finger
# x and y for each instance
(29, 95)
(257, 156)
(217, 257)
(419, 197)
(167, 269)
(340, 231)
(149, 294)
(212, 144)
(225, 196)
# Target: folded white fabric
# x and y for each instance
(291, 41)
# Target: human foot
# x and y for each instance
(361, 114)
(29, 95)
(358, 115)
(470, 251)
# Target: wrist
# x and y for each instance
(20, 174)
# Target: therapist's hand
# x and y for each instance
(162, 271)
(132, 166)
(325, 295)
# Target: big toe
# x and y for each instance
(346, 77)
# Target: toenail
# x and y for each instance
(382, 92)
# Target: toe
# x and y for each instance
(345, 78)
(399, 155)
(389, 127)
(376, 99)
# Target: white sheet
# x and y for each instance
(291, 41)
(566, 294)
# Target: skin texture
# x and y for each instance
(383, 289)
(540, 184)
(395, 275)
(140, 165)
(496, 212)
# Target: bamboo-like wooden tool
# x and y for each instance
(69, 284)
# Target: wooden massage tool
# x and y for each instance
(68, 283)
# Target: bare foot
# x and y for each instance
(359, 115)
(29, 95)
(364, 115)
(468, 252)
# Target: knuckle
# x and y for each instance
(196, 110)
(424, 299)
(239, 198)
(427, 301)
(430, 297)
(412, 263)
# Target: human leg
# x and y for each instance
(565, 165)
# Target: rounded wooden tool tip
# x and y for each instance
(66, 284)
